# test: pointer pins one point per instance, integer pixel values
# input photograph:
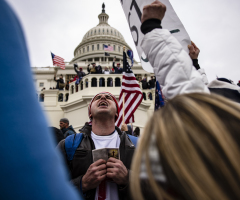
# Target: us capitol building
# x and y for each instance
(75, 101)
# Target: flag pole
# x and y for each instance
(123, 106)
(123, 95)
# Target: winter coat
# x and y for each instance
(83, 159)
(58, 135)
(151, 83)
(99, 69)
(68, 131)
(144, 84)
(172, 65)
(79, 73)
(60, 80)
(117, 70)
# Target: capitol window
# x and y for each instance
(95, 32)
(119, 48)
(114, 47)
(103, 31)
(41, 84)
(111, 31)
(98, 47)
(92, 47)
(83, 50)
(99, 31)
(88, 48)
(107, 31)
(115, 32)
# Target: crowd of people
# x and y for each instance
(189, 149)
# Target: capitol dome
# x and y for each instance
(93, 41)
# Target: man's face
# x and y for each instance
(94, 65)
(63, 125)
(103, 105)
(61, 77)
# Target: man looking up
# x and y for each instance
(65, 128)
(92, 179)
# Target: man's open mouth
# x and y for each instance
(103, 104)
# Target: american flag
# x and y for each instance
(133, 94)
(58, 61)
(107, 48)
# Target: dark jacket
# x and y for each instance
(151, 83)
(117, 71)
(83, 159)
(68, 131)
(57, 133)
(60, 80)
(144, 84)
(79, 73)
(99, 69)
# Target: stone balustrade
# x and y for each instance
(89, 85)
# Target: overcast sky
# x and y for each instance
(59, 26)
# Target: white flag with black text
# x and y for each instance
(133, 11)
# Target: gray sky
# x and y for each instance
(59, 26)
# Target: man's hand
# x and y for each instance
(156, 10)
(124, 127)
(95, 174)
(117, 171)
(193, 51)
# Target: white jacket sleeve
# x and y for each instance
(204, 76)
(171, 64)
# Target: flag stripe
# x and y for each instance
(58, 61)
(133, 95)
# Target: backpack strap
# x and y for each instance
(71, 144)
(133, 139)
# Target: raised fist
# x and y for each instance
(193, 51)
(155, 10)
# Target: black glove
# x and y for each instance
(75, 65)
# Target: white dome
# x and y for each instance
(93, 41)
(103, 30)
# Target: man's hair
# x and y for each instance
(196, 137)
(65, 120)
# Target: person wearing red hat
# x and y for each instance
(118, 69)
(80, 73)
(102, 179)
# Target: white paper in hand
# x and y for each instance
(133, 11)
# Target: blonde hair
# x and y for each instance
(197, 138)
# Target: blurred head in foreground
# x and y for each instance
(189, 151)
